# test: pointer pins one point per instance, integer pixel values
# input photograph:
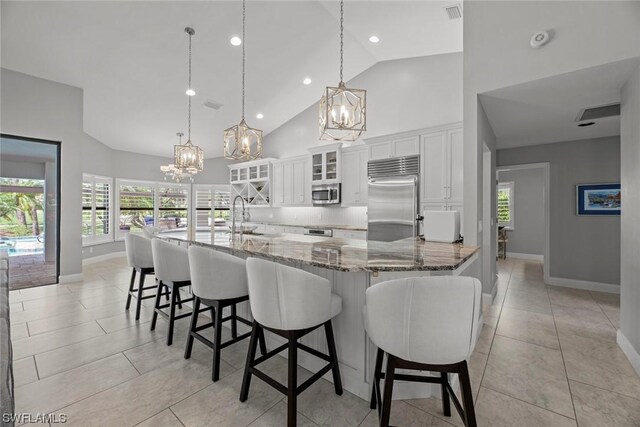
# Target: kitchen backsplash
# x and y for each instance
(355, 216)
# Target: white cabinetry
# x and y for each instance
(441, 154)
(354, 176)
(292, 182)
(325, 164)
(350, 234)
(383, 149)
(251, 180)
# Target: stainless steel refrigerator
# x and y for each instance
(393, 198)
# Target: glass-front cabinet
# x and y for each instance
(325, 164)
(251, 180)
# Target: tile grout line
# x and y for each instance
(602, 310)
(529, 403)
(130, 362)
(175, 415)
(607, 390)
(420, 409)
(35, 364)
(564, 363)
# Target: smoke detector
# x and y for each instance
(592, 113)
(454, 12)
(539, 39)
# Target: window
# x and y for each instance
(159, 204)
(505, 204)
(136, 206)
(173, 207)
(96, 209)
(212, 201)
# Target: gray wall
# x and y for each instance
(488, 239)
(39, 108)
(527, 237)
(630, 265)
(581, 247)
(402, 95)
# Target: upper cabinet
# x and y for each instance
(325, 164)
(442, 167)
(292, 182)
(252, 181)
(354, 176)
(394, 148)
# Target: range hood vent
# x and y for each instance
(454, 12)
(601, 112)
(398, 166)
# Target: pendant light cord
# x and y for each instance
(189, 120)
(341, 36)
(244, 17)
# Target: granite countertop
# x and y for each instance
(316, 226)
(346, 254)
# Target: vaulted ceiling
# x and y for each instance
(131, 58)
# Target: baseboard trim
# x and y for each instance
(488, 298)
(104, 257)
(631, 353)
(584, 284)
(70, 278)
(518, 255)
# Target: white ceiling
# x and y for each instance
(545, 110)
(131, 58)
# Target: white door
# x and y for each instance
(434, 156)
(287, 172)
(456, 183)
(278, 184)
(406, 147)
(380, 150)
(300, 182)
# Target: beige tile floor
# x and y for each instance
(546, 357)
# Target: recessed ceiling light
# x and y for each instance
(582, 125)
(190, 92)
(236, 41)
(260, 115)
(307, 81)
(374, 39)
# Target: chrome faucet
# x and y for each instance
(233, 218)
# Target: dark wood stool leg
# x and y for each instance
(154, 318)
(333, 354)
(217, 341)
(375, 390)
(133, 280)
(467, 396)
(251, 355)
(234, 322)
(388, 391)
(172, 312)
(446, 404)
(292, 395)
(192, 328)
(143, 275)
(263, 344)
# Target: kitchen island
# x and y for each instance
(352, 266)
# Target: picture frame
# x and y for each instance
(598, 199)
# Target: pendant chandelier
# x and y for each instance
(343, 111)
(187, 157)
(242, 142)
(172, 172)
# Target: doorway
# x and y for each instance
(29, 210)
(523, 213)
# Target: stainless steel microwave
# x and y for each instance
(326, 194)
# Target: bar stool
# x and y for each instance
(424, 324)
(140, 259)
(218, 280)
(290, 303)
(172, 271)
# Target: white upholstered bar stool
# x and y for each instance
(140, 259)
(171, 264)
(290, 303)
(424, 324)
(218, 280)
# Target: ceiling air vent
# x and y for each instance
(454, 12)
(601, 112)
(213, 104)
